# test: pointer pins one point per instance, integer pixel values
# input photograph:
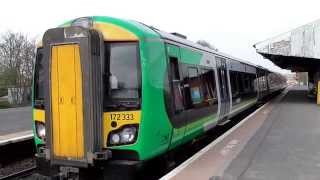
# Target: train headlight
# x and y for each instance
(128, 134)
(125, 135)
(41, 130)
(115, 139)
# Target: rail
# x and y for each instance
(20, 174)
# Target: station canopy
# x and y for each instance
(297, 50)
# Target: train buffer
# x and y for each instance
(280, 140)
(15, 125)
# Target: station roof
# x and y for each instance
(297, 50)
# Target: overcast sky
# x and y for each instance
(232, 26)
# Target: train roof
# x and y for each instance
(144, 31)
(184, 41)
(178, 39)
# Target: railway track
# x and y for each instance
(157, 168)
(17, 159)
(19, 174)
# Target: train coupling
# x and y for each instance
(70, 173)
(104, 155)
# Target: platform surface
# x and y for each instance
(15, 120)
(290, 148)
(280, 140)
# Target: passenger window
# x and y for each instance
(208, 87)
(235, 87)
(176, 85)
(191, 92)
(175, 68)
(234, 83)
(192, 72)
(200, 89)
(195, 86)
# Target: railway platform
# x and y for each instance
(280, 140)
(15, 125)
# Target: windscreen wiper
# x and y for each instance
(124, 105)
(39, 103)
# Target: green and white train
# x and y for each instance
(108, 89)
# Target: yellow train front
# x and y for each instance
(74, 125)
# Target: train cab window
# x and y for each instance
(39, 78)
(122, 65)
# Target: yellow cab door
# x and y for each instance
(67, 105)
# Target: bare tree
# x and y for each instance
(206, 44)
(17, 54)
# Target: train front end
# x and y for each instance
(87, 92)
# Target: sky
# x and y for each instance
(233, 26)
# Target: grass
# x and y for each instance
(4, 105)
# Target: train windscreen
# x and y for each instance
(122, 63)
(39, 76)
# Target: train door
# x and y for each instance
(67, 108)
(224, 88)
(261, 83)
(74, 96)
(176, 95)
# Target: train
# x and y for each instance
(113, 90)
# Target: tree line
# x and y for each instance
(17, 56)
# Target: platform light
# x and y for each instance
(125, 135)
(41, 130)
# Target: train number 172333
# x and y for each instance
(121, 116)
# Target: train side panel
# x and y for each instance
(193, 102)
(244, 86)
